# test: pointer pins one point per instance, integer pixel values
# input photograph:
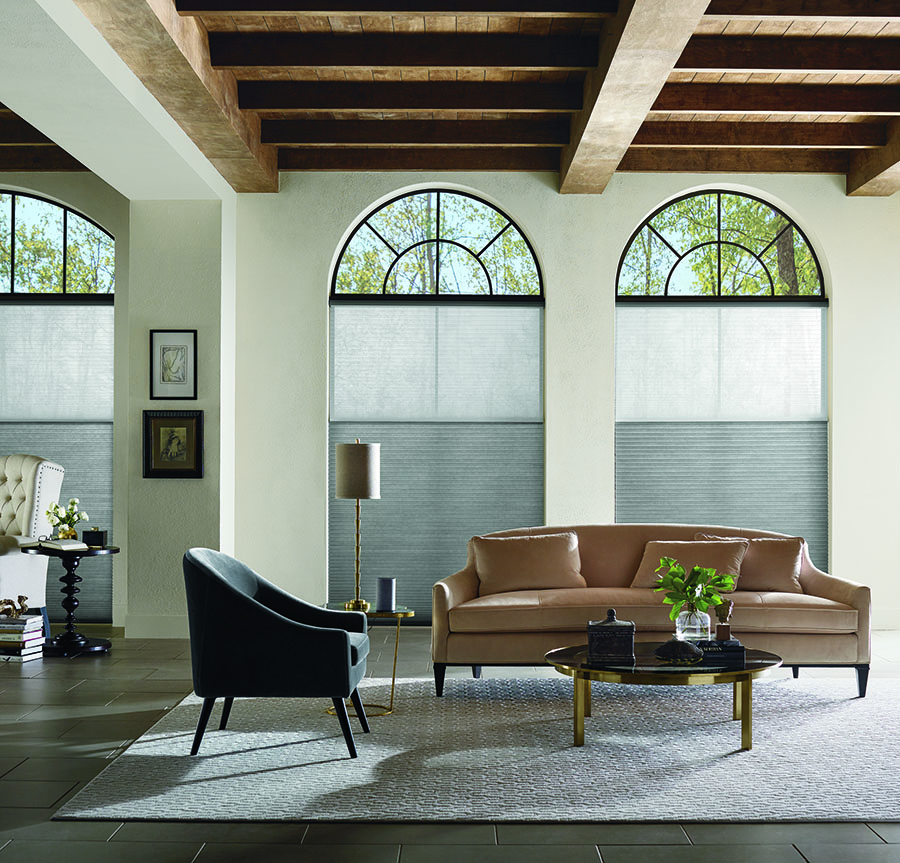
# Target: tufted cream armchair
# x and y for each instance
(28, 485)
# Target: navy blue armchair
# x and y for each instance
(304, 651)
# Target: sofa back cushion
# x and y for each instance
(724, 556)
(771, 564)
(536, 562)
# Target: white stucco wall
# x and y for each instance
(286, 248)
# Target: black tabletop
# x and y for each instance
(76, 552)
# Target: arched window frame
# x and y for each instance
(52, 297)
(385, 296)
(719, 242)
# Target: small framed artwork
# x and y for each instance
(173, 444)
(173, 364)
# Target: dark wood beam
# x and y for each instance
(409, 159)
(656, 133)
(638, 49)
(791, 54)
(820, 10)
(291, 51)
(42, 158)
(506, 8)
(877, 172)
(735, 161)
(318, 96)
(779, 99)
(431, 133)
(14, 130)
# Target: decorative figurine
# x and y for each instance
(723, 615)
(9, 608)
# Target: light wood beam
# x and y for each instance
(737, 161)
(779, 99)
(788, 54)
(323, 96)
(39, 158)
(505, 8)
(412, 159)
(169, 55)
(295, 51)
(778, 135)
(877, 172)
(432, 133)
(819, 10)
(638, 49)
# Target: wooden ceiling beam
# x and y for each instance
(736, 161)
(790, 54)
(294, 51)
(319, 96)
(877, 172)
(638, 50)
(40, 158)
(779, 99)
(412, 159)
(431, 133)
(505, 8)
(820, 10)
(776, 135)
(15, 131)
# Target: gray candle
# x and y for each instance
(386, 594)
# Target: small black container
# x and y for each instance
(610, 640)
(94, 538)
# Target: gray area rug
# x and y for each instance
(501, 750)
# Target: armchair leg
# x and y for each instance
(862, 679)
(360, 710)
(440, 670)
(341, 710)
(226, 712)
(205, 711)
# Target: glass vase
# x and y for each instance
(692, 626)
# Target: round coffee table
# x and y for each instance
(649, 670)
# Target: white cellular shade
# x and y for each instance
(56, 362)
(678, 363)
(436, 363)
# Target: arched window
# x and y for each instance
(721, 388)
(718, 244)
(436, 354)
(46, 248)
(57, 284)
(437, 243)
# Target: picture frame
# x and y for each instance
(173, 444)
(173, 364)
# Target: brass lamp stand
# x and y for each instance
(357, 476)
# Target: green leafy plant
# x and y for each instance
(694, 591)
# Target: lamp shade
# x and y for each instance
(358, 471)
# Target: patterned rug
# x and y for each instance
(501, 750)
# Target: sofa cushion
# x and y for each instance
(724, 556)
(771, 563)
(527, 562)
(570, 609)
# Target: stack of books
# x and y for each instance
(730, 653)
(21, 638)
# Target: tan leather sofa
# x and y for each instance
(827, 624)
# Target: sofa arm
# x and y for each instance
(858, 596)
(446, 594)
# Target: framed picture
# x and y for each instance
(173, 444)
(173, 364)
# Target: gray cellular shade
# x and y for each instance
(765, 475)
(441, 483)
(85, 451)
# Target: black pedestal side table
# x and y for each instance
(71, 642)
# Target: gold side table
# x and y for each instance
(399, 613)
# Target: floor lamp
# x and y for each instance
(357, 476)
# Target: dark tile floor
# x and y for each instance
(62, 720)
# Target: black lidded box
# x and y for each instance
(94, 538)
(610, 640)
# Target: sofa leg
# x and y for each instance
(476, 672)
(205, 711)
(795, 670)
(440, 670)
(862, 679)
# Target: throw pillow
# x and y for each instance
(538, 562)
(771, 563)
(724, 556)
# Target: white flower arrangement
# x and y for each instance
(66, 519)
